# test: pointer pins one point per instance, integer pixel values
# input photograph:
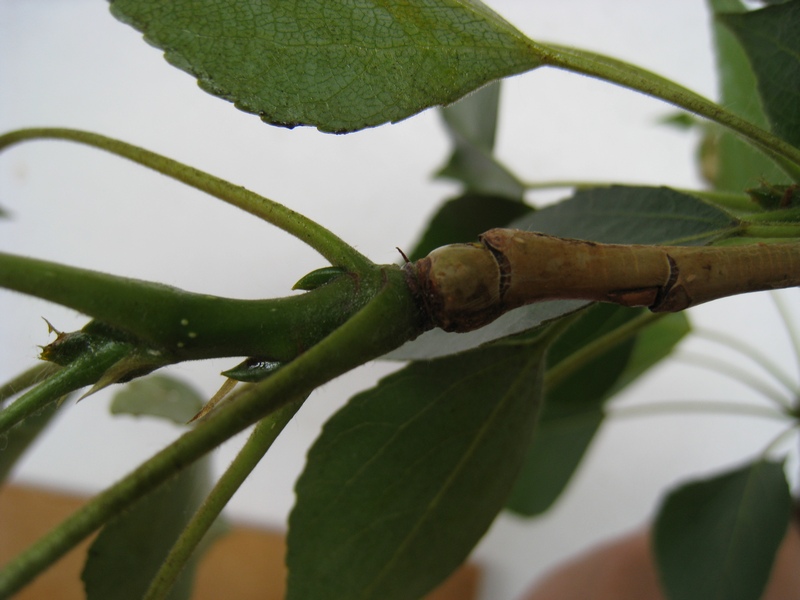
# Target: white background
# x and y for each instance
(69, 63)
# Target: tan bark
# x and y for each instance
(466, 286)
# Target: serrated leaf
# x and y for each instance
(464, 218)
(472, 125)
(339, 66)
(730, 163)
(158, 396)
(717, 538)
(769, 37)
(407, 477)
(128, 552)
(617, 214)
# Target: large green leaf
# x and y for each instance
(573, 409)
(769, 37)
(617, 214)
(472, 125)
(731, 163)
(718, 538)
(340, 66)
(406, 478)
(129, 550)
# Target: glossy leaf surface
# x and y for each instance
(769, 37)
(617, 214)
(129, 550)
(407, 477)
(717, 538)
(339, 66)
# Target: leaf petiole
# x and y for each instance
(339, 253)
(26, 379)
(750, 352)
(85, 370)
(695, 406)
(264, 434)
(736, 373)
(641, 80)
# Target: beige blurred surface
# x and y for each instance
(624, 570)
(243, 565)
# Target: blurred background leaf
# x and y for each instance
(129, 550)
(728, 163)
(717, 538)
(471, 124)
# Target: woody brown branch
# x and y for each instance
(465, 286)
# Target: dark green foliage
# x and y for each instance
(129, 550)
(717, 538)
(769, 37)
(632, 215)
(727, 161)
(406, 478)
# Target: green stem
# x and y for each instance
(26, 379)
(740, 240)
(84, 370)
(750, 352)
(323, 241)
(778, 439)
(187, 326)
(732, 201)
(569, 365)
(701, 406)
(265, 433)
(737, 374)
(787, 231)
(788, 322)
(782, 216)
(632, 77)
(390, 319)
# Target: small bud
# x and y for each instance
(318, 278)
(252, 370)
